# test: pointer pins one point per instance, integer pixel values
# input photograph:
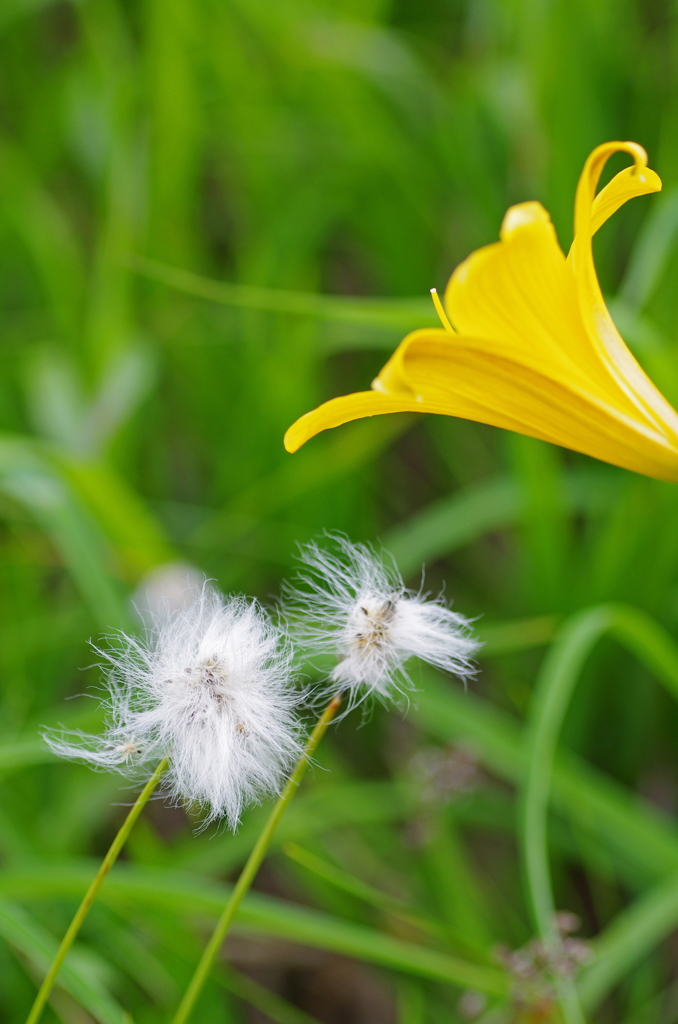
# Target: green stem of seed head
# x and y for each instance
(253, 864)
(91, 894)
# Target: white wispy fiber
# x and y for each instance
(209, 688)
(352, 604)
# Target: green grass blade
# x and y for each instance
(346, 882)
(538, 470)
(14, 9)
(26, 935)
(550, 701)
(22, 753)
(649, 642)
(557, 679)
(453, 522)
(631, 936)
(267, 1002)
(651, 252)
(407, 314)
(333, 458)
(643, 841)
(131, 887)
(480, 509)
(411, 1002)
(352, 803)
(137, 536)
(518, 635)
(46, 234)
(30, 480)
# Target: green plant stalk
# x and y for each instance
(91, 894)
(657, 650)
(252, 866)
(653, 647)
(552, 695)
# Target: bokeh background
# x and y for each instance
(213, 215)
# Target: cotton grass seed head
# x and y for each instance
(352, 604)
(210, 688)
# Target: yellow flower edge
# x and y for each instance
(533, 348)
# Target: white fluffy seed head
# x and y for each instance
(353, 605)
(210, 688)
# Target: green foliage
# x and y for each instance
(214, 215)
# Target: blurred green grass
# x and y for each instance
(188, 191)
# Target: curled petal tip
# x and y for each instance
(344, 409)
(329, 414)
(296, 436)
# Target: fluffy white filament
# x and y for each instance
(210, 689)
(355, 607)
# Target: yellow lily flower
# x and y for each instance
(533, 348)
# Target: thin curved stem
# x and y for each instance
(550, 701)
(252, 866)
(552, 695)
(91, 894)
(556, 683)
(559, 675)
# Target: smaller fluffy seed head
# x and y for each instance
(210, 689)
(353, 605)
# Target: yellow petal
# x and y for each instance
(521, 294)
(624, 186)
(592, 211)
(618, 360)
(470, 378)
(342, 410)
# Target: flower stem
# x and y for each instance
(83, 910)
(253, 864)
